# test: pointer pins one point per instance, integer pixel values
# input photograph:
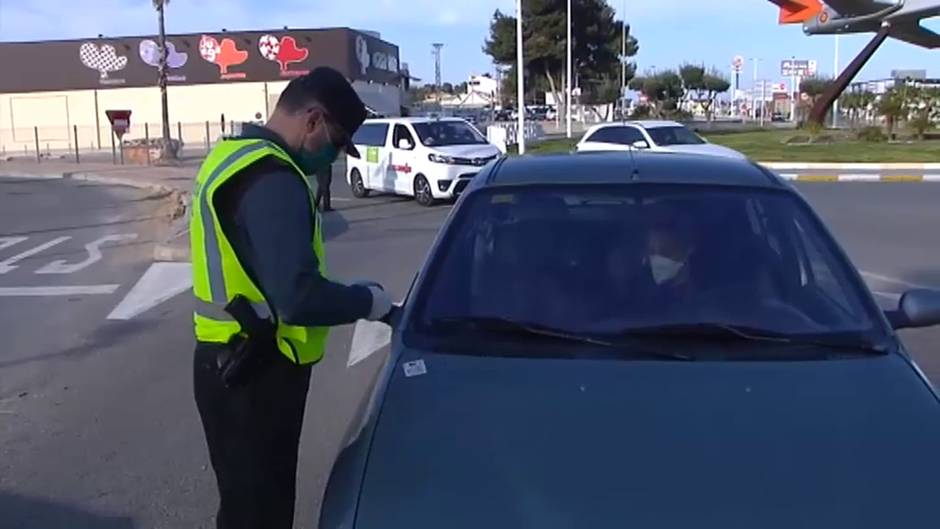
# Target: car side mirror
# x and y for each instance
(393, 318)
(405, 145)
(917, 308)
(641, 144)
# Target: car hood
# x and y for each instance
(515, 443)
(467, 151)
(705, 148)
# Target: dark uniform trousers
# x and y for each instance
(253, 433)
(324, 179)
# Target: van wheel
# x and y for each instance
(422, 190)
(357, 185)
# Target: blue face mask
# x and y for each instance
(311, 161)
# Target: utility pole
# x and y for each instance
(437, 69)
(756, 62)
(568, 79)
(165, 153)
(520, 81)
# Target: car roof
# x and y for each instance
(626, 167)
(411, 120)
(645, 123)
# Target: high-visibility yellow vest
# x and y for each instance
(218, 276)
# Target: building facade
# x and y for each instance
(58, 92)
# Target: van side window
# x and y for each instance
(371, 134)
(402, 133)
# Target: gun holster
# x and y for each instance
(250, 352)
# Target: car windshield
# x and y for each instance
(602, 261)
(443, 133)
(674, 135)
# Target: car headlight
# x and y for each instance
(438, 158)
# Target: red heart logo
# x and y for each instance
(289, 52)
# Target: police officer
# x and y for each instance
(324, 181)
(256, 235)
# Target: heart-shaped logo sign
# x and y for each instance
(150, 54)
(103, 59)
(284, 51)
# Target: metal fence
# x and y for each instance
(98, 143)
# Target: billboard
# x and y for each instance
(797, 68)
(196, 58)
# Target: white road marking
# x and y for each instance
(894, 281)
(7, 265)
(94, 255)
(6, 242)
(159, 283)
(891, 296)
(368, 337)
(72, 290)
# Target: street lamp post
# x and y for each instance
(623, 62)
(568, 79)
(520, 80)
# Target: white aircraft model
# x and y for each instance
(901, 17)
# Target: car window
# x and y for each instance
(444, 133)
(371, 134)
(402, 133)
(617, 135)
(594, 260)
(814, 272)
(674, 135)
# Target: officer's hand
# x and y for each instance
(381, 303)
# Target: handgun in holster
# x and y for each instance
(251, 351)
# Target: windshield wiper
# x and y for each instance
(520, 328)
(725, 332)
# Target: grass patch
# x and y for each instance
(771, 146)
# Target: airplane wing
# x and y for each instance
(853, 8)
(913, 33)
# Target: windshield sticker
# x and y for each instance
(415, 368)
(503, 199)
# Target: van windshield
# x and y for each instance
(442, 133)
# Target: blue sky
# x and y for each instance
(669, 31)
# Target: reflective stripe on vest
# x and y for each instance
(217, 274)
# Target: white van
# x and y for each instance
(428, 158)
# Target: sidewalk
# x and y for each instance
(174, 182)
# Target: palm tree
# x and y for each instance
(893, 106)
(167, 152)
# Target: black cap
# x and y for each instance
(337, 96)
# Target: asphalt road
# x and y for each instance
(105, 433)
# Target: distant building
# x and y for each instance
(57, 87)
(898, 77)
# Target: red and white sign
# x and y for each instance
(738, 63)
(120, 121)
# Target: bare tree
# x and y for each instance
(167, 152)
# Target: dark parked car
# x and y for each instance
(657, 341)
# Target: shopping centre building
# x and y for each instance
(60, 90)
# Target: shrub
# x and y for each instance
(872, 135)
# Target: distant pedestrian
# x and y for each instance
(324, 180)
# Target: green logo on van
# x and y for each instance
(372, 154)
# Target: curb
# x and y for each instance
(798, 166)
(864, 177)
(175, 247)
